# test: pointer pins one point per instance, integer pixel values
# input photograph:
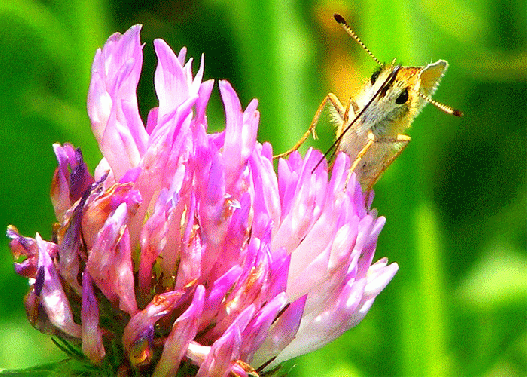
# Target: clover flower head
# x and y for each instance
(186, 252)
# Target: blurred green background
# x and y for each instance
(455, 200)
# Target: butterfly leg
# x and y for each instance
(398, 143)
(371, 140)
(334, 101)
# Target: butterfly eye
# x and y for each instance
(374, 77)
(403, 97)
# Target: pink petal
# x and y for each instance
(92, 345)
(183, 331)
(112, 101)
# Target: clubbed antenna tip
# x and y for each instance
(339, 18)
(346, 27)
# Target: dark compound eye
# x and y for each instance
(375, 76)
(403, 97)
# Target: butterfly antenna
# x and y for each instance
(444, 108)
(346, 27)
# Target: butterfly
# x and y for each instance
(371, 127)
